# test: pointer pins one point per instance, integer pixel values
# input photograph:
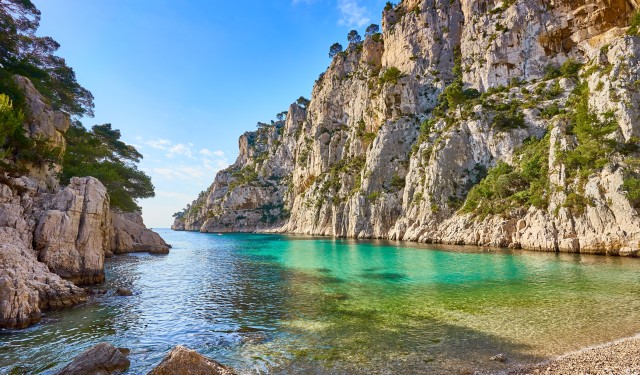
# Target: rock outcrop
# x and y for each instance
(129, 235)
(26, 285)
(102, 359)
(183, 361)
(53, 238)
(72, 235)
(403, 126)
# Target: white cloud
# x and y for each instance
(180, 149)
(160, 144)
(207, 152)
(352, 14)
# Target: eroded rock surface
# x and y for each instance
(129, 234)
(376, 153)
(52, 238)
(26, 285)
(183, 361)
(102, 359)
(72, 235)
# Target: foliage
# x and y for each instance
(244, 176)
(353, 38)
(372, 29)
(101, 154)
(31, 56)
(510, 119)
(634, 26)
(631, 187)
(570, 68)
(397, 183)
(593, 146)
(505, 186)
(17, 150)
(391, 75)
(335, 49)
(303, 102)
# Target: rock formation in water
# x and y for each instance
(53, 238)
(101, 359)
(483, 122)
(183, 361)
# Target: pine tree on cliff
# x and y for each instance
(31, 56)
(335, 49)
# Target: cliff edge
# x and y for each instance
(495, 123)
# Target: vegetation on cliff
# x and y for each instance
(98, 152)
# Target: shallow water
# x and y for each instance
(283, 304)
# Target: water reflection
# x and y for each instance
(280, 304)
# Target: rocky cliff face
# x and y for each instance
(52, 238)
(500, 123)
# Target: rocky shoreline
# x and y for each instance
(615, 357)
(54, 239)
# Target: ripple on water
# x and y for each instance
(289, 304)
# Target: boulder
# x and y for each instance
(183, 361)
(124, 292)
(72, 235)
(26, 285)
(129, 234)
(102, 359)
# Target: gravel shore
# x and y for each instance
(617, 357)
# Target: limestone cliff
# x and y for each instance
(500, 123)
(54, 238)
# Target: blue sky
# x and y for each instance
(183, 80)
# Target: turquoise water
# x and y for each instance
(282, 304)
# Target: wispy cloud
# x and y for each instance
(180, 149)
(159, 144)
(352, 14)
(207, 152)
(183, 162)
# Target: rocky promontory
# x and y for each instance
(54, 239)
(479, 122)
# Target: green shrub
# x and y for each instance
(508, 120)
(16, 147)
(391, 75)
(397, 182)
(593, 147)
(631, 188)
(634, 26)
(570, 68)
(505, 186)
(551, 72)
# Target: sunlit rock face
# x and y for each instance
(354, 162)
(53, 238)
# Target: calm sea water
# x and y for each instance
(282, 304)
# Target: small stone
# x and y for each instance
(101, 359)
(124, 292)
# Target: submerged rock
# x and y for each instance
(102, 359)
(124, 292)
(183, 361)
(499, 358)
